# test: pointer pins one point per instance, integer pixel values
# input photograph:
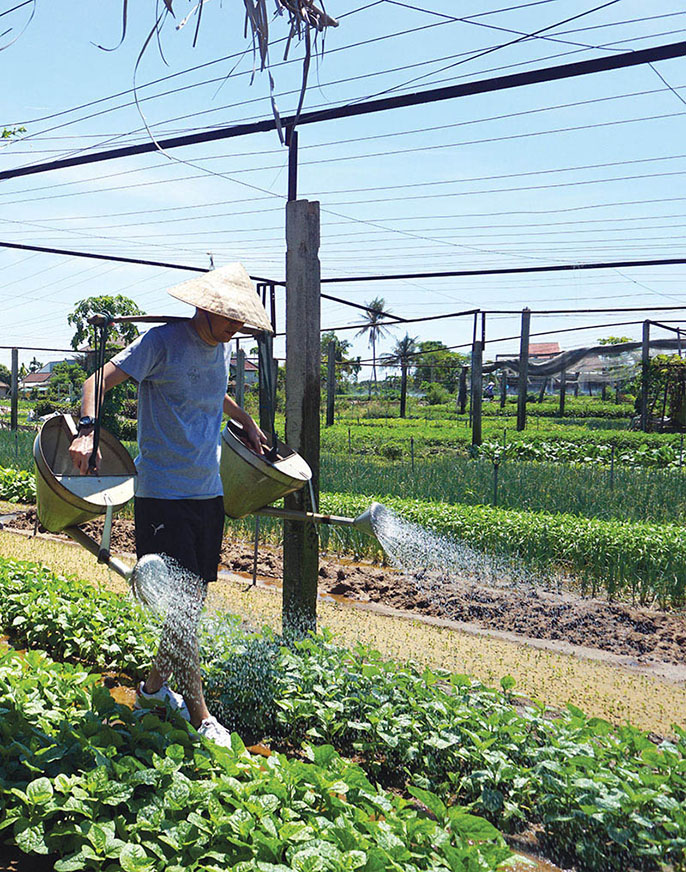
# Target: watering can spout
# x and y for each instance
(365, 521)
(148, 578)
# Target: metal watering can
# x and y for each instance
(65, 499)
(251, 482)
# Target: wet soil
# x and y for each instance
(646, 635)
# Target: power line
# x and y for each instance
(351, 110)
(484, 52)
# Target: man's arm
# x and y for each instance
(81, 448)
(254, 435)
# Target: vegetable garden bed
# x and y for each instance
(604, 797)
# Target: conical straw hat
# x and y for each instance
(226, 291)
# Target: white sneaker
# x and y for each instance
(166, 696)
(211, 729)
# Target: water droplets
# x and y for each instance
(432, 561)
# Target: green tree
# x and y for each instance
(344, 374)
(5, 374)
(434, 362)
(375, 328)
(402, 355)
(66, 380)
(118, 335)
(35, 365)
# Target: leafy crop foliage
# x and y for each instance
(17, 486)
(81, 775)
(85, 778)
(553, 441)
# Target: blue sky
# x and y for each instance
(575, 171)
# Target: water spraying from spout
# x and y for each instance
(432, 560)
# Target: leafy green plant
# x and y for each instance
(603, 796)
(73, 619)
(17, 486)
(86, 779)
(644, 561)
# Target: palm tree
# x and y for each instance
(375, 328)
(403, 354)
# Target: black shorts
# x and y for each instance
(189, 531)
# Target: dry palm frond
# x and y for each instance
(303, 16)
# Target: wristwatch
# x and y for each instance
(85, 423)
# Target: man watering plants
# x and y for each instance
(182, 370)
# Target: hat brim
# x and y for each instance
(229, 292)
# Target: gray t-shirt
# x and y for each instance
(182, 382)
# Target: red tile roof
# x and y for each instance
(544, 349)
(36, 378)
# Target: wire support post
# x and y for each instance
(14, 391)
(331, 383)
(292, 143)
(523, 369)
(645, 369)
(477, 392)
(101, 324)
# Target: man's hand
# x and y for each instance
(80, 452)
(254, 437)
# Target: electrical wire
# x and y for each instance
(129, 134)
(484, 52)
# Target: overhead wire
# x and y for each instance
(455, 194)
(354, 45)
(484, 52)
(317, 145)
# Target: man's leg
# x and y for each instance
(189, 531)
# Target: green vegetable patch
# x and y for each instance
(602, 796)
(86, 780)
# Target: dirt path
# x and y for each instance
(648, 636)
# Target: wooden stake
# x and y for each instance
(523, 369)
(477, 391)
(331, 383)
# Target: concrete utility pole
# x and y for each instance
(303, 382)
(240, 376)
(331, 383)
(645, 369)
(503, 388)
(477, 391)
(14, 390)
(563, 391)
(523, 369)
